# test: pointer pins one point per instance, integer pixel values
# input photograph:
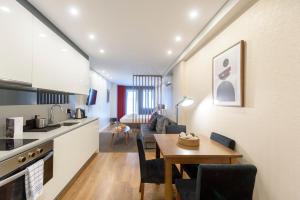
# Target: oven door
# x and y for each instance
(12, 186)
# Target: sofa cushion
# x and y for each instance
(147, 134)
(161, 123)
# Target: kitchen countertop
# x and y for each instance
(43, 137)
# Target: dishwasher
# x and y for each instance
(12, 170)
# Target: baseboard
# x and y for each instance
(71, 182)
(105, 127)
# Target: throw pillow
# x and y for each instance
(152, 124)
(161, 122)
(153, 116)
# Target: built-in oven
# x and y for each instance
(12, 170)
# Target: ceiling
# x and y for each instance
(135, 35)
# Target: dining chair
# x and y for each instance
(222, 182)
(192, 169)
(175, 128)
(152, 171)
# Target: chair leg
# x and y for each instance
(178, 196)
(181, 171)
(142, 187)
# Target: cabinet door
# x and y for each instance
(78, 71)
(56, 65)
(49, 71)
(71, 151)
(16, 42)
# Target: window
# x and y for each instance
(131, 101)
(148, 99)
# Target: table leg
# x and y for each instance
(168, 180)
(157, 151)
(126, 137)
(112, 139)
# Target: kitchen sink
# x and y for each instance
(69, 123)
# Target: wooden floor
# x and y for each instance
(113, 176)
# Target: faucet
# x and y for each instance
(51, 112)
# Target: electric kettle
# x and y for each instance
(79, 113)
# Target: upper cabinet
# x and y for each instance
(56, 65)
(31, 52)
(16, 42)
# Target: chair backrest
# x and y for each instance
(227, 142)
(175, 128)
(142, 157)
(225, 182)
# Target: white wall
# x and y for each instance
(102, 107)
(113, 100)
(167, 96)
(267, 129)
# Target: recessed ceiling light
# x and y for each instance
(64, 50)
(193, 14)
(169, 52)
(5, 9)
(91, 36)
(178, 38)
(102, 51)
(74, 11)
(42, 35)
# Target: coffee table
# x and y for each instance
(117, 131)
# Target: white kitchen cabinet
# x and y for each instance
(71, 151)
(16, 42)
(56, 65)
(31, 52)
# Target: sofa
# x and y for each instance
(158, 124)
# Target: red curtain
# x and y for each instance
(121, 101)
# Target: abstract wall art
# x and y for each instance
(228, 76)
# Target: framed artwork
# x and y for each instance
(228, 76)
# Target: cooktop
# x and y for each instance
(10, 144)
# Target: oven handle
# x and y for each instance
(21, 173)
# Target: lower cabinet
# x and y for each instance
(71, 151)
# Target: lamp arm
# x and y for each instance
(182, 100)
(177, 108)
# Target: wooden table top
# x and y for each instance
(121, 130)
(207, 148)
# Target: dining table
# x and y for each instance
(208, 152)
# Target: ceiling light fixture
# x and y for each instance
(91, 36)
(178, 38)
(193, 14)
(169, 52)
(5, 9)
(42, 35)
(74, 11)
(64, 50)
(102, 51)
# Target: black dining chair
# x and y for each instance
(152, 171)
(218, 182)
(175, 128)
(192, 169)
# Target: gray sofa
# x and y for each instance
(161, 126)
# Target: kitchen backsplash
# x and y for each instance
(28, 112)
